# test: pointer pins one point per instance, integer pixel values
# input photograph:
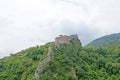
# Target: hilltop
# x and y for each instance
(105, 40)
(63, 59)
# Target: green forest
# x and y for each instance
(69, 61)
(105, 40)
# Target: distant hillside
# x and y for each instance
(105, 40)
(64, 59)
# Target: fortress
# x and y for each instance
(64, 39)
(58, 40)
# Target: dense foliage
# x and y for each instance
(105, 40)
(71, 63)
(22, 66)
(68, 62)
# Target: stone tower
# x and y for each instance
(65, 39)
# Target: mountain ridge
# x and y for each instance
(67, 60)
(105, 40)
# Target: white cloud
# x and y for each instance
(25, 23)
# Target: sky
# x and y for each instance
(27, 23)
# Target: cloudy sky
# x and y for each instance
(25, 23)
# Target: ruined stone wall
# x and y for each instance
(42, 64)
(64, 39)
(58, 40)
(61, 39)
